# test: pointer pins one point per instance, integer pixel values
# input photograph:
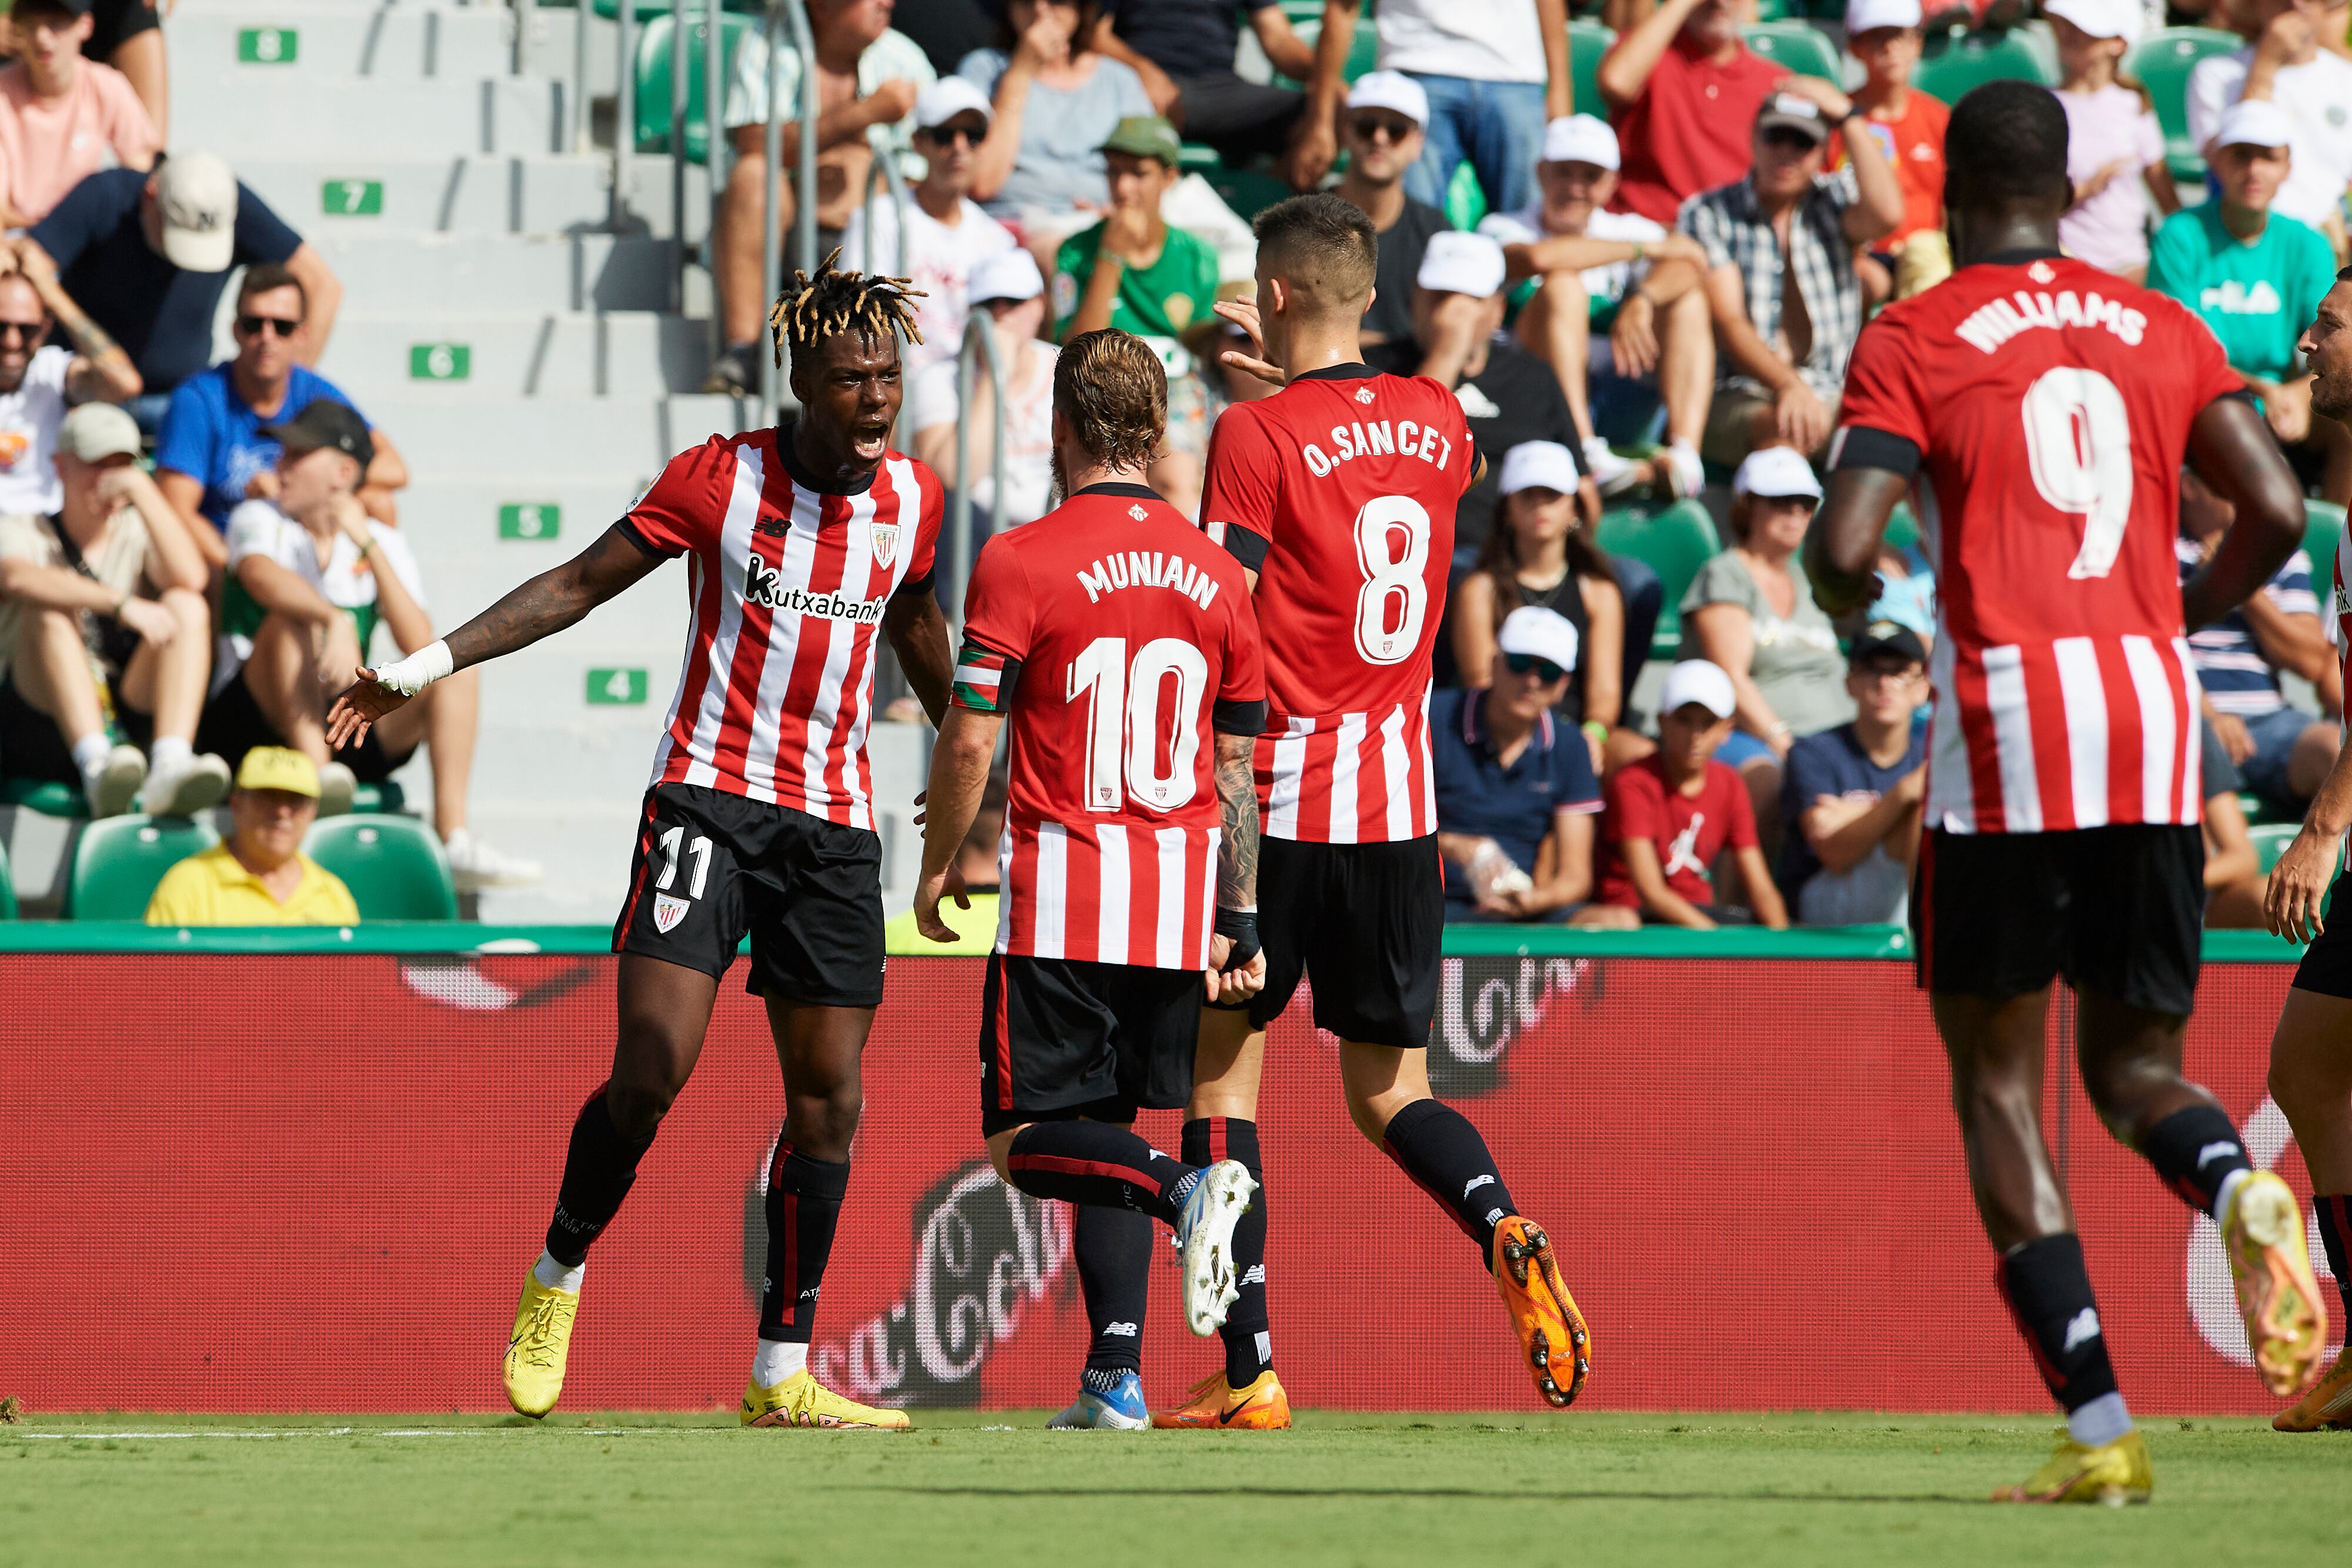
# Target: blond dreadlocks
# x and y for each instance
(812, 308)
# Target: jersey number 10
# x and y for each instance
(2078, 443)
(1124, 715)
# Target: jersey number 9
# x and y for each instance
(2078, 443)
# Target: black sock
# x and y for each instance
(1098, 1162)
(1249, 1344)
(598, 1170)
(2335, 1236)
(1442, 1153)
(1113, 1249)
(2192, 1150)
(2049, 1294)
(803, 1208)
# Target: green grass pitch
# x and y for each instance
(967, 1488)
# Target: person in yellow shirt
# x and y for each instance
(260, 875)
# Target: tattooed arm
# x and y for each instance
(541, 608)
(1236, 966)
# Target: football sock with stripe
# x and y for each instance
(2195, 1150)
(1098, 1162)
(599, 1167)
(2335, 1212)
(803, 1208)
(1249, 1342)
(2049, 1294)
(1436, 1146)
(1112, 1248)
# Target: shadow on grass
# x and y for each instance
(1468, 1494)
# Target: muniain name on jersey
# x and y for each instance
(1147, 569)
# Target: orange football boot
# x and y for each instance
(1214, 1403)
(1550, 1330)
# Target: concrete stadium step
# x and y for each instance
(234, 116)
(448, 441)
(364, 193)
(466, 355)
(515, 525)
(396, 42)
(387, 272)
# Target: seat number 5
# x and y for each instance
(700, 849)
(2078, 443)
(1394, 602)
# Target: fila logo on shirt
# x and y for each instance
(2232, 298)
(763, 584)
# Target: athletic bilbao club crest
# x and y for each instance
(1138, 513)
(668, 912)
(886, 543)
(1364, 396)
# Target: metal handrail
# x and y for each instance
(979, 344)
(772, 239)
(579, 104)
(716, 150)
(884, 167)
(625, 104)
(678, 36)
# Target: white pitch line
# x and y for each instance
(357, 1432)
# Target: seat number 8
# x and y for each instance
(1394, 602)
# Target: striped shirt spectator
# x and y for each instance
(2238, 676)
(1736, 230)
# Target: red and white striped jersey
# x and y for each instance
(2050, 404)
(1340, 492)
(787, 591)
(1116, 641)
(2339, 606)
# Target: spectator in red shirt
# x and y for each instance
(1907, 124)
(1684, 90)
(1671, 814)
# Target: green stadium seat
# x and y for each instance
(2271, 840)
(1674, 543)
(1902, 528)
(1465, 202)
(1587, 42)
(2162, 62)
(1971, 59)
(1796, 45)
(7, 887)
(647, 10)
(46, 796)
(2323, 525)
(119, 861)
(393, 865)
(653, 65)
(1247, 190)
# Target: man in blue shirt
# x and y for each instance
(212, 453)
(1516, 794)
(1851, 805)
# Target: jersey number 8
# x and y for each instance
(1390, 575)
(2078, 443)
(1123, 720)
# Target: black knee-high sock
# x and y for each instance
(1442, 1153)
(1113, 1249)
(803, 1208)
(598, 1169)
(2336, 1240)
(1249, 1344)
(2192, 1150)
(2049, 1294)
(1098, 1162)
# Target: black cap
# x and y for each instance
(1888, 637)
(71, 7)
(325, 423)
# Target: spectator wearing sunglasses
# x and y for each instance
(1386, 111)
(1516, 794)
(215, 450)
(40, 380)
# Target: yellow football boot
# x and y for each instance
(801, 1400)
(2327, 1408)
(539, 1347)
(1552, 1336)
(2113, 1473)
(2286, 1323)
(1214, 1403)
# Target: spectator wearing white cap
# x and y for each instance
(102, 614)
(2256, 276)
(1515, 791)
(2286, 65)
(1907, 124)
(947, 232)
(2114, 148)
(1508, 394)
(1540, 554)
(1382, 132)
(1009, 293)
(1671, 815)
(148, 256)
(1617, 308)
(1751, 612)
(1183, 50)
(1780, 282)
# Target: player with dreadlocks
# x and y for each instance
(760, 819)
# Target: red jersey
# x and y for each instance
(1339, 491)
(788, 586)
(1688, 831)
(2050, 402)
(1692, 128)
(1117, 642)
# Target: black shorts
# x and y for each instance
(2327, 966)
(2116, 910)
(1060, 1039)
(233, 724)
(711, 867)
(1366, 923)
(31, 746)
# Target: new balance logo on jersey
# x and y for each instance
(1475, 1183)
(1121, 1331)
(1255, 1274)
(2211, 1151)
(2083, 1330)
(668, 912)
(763, 584)
(1996, 323)
(1147, 569)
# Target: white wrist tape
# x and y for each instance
(411, 675)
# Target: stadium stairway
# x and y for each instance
(535, 367)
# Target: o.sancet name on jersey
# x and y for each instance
(1374, 438)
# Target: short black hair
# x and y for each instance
(2006, 142)
(263, 276)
